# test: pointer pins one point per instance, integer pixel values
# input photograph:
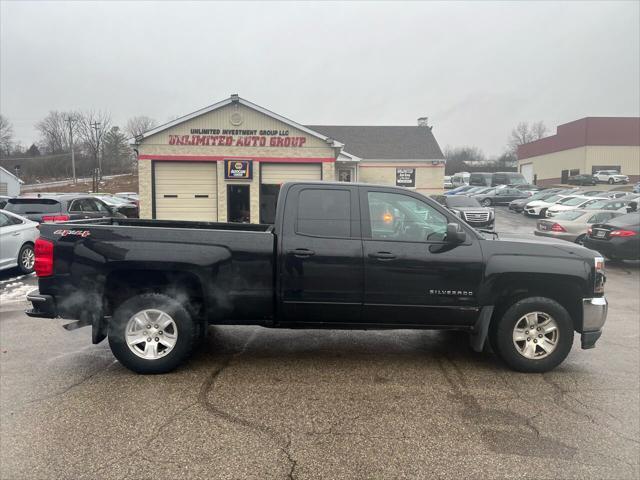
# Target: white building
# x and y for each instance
(9, 183)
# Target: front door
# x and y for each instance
(320, 261)
(238, 204)
(412, 276)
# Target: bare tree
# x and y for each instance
(91, 127)
(6, 135)
(525, 133)
(54, 132)
(138, 125)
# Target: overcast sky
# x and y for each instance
(475, 69)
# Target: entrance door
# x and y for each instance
(412, 276)
(320, 259)
(238, 205)
(564, 176)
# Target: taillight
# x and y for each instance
(600, 277)
(589, 231)
(556, 227)
(55, 218)
(622, 233)
(44, 258)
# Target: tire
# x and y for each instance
(611, 181)
(513, 352)
(486, 202)
(543, 213)
(580, 239)
(26, 259)
(128, 322)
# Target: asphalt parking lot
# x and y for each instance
(259, 403)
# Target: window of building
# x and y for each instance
(403, 218)
(324, 213)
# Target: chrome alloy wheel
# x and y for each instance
(151, 334)
(27, 259)
(536, 335)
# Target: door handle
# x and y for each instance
(15, 234)
(301, 252)
(382, 255)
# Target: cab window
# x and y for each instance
(398, 217)
(324, 213)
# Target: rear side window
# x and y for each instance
(26, 206)
(324, 213)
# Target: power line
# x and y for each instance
(36, 157)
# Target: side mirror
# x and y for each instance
(455, 234)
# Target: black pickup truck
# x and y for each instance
(341, 256)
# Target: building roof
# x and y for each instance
(235, 99)
(610, 131)
(11, 174)
(385, 142)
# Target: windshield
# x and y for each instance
(573, 201)
(485, 190)
(553, 198)
(32, 206)
(462, 201)
(517, 180)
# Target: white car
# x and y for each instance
(447, 182)
(610, 177)
(570, 203)
(538, 208)
(18, 237)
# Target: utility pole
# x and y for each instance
(97, 174)
(73, 158)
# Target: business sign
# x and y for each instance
(215, 137)
(405, 177)
(238, 170)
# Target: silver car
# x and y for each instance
(572, 225)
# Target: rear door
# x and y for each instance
(10, 240)
(412, 276)
(320, 260)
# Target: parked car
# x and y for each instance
(527, 187)
(468, 209)
(461, 178)
(610, 177)
(538, 208)
(120, 205)
(133, 196)
(572, 225)
(616, 239)
(447, 182)
(18, 237)
(350, 256)
(636, 188)
(570, 203)
(500, 196)
(619, 205)
(459, 190)
(582, 179)
(59, 208)
(519, 204)
(481, 179)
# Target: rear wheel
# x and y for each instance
(534, 335)
(26, 258)
(486, 202)
(580, 239)
(152, 333)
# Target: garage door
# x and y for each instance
(186, 191)
(527, 172)
(277, 173)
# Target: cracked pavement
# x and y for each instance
(283, 404)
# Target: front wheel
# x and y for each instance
(543, 213)
(534, 335)
(611, 181)
(152, 333)
(26, 259)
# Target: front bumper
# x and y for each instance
(594, 314)
(44, 306)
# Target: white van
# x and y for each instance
(459, 179)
